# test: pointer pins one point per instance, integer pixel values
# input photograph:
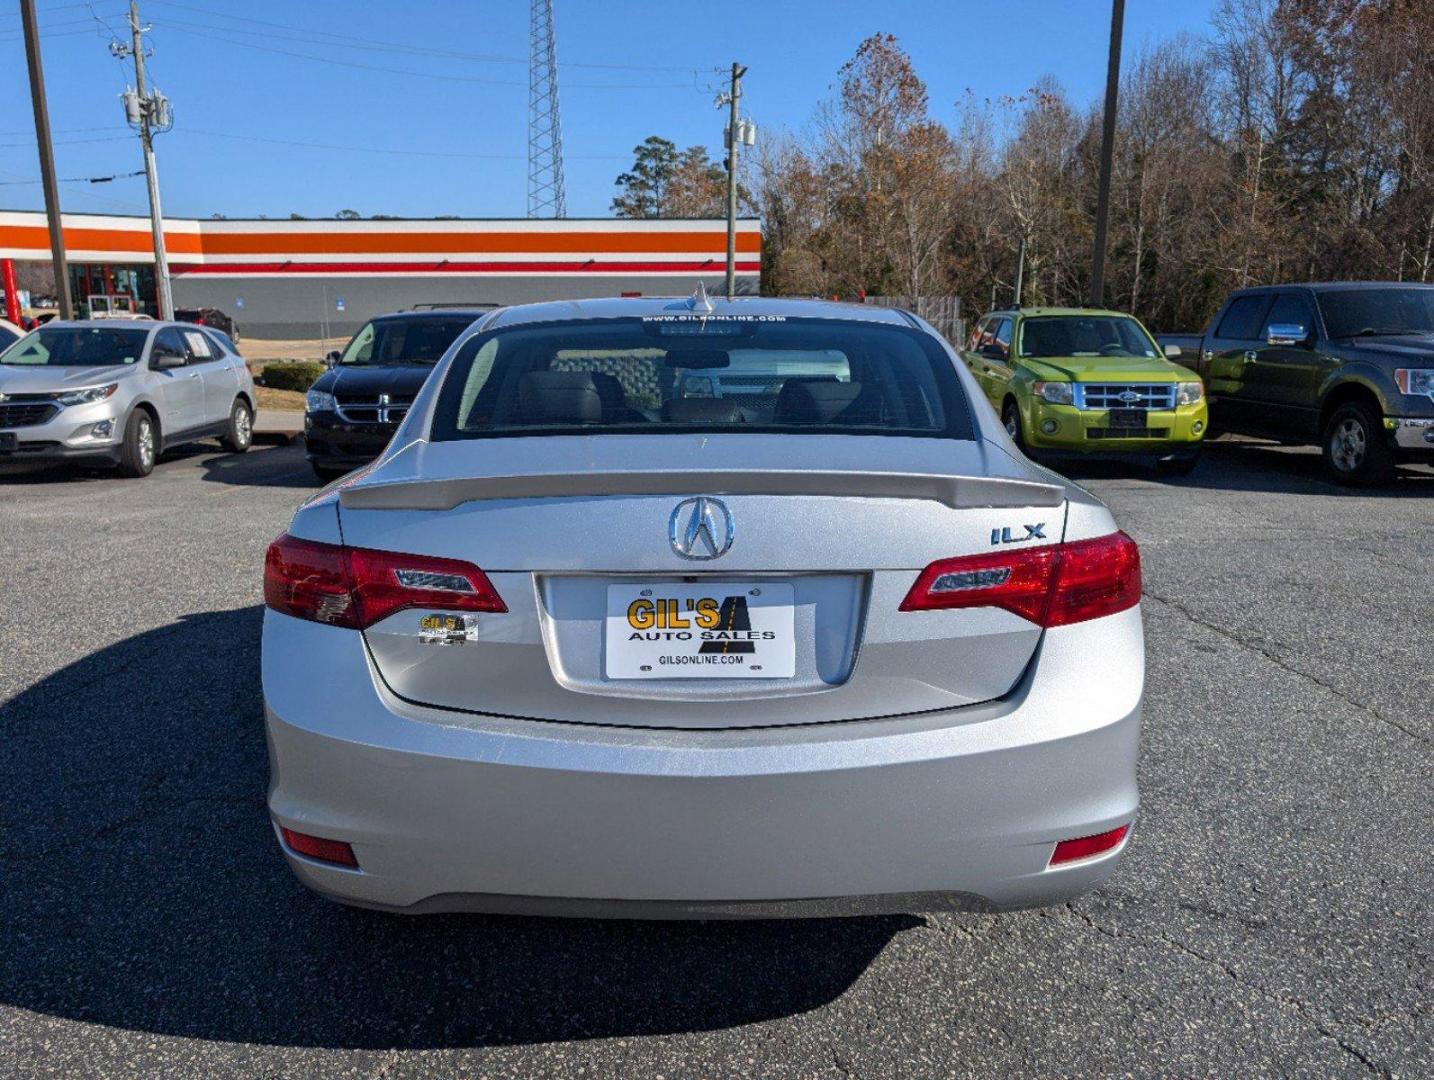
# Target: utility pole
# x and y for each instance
(1107, 154)
(147, 110)
(47, 159)
(734, 139)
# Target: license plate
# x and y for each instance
(720, 630)
(1127, 418)
(9, 442)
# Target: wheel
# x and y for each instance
(140, 446)
(1011, 417)
(327, 473)
(239, 434)
(1354, 447)
(1178, 466)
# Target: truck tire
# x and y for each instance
(239, 434)
(140, 446)
(1355, 451)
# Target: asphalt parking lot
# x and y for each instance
(1273, 917)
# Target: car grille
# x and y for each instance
(26, 413)
(1127, 433)
(371, 409)
(1107, 395)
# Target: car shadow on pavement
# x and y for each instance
(282, 465)
(141, 887)
(273, 465)
(1246, 465)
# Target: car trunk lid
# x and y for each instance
(825, 547)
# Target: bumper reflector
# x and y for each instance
(315, 847)
(1084, 847)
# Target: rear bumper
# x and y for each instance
(448, 811)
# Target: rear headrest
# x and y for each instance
(701, 411)
(814, 401)
(559, 397)
(609, 388)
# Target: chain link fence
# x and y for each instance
(942, 312)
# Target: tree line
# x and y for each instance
(1294, 142)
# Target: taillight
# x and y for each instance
(357, 587)
(1054, 585)
(309, 581)
(1019, 581)
(1095, 577)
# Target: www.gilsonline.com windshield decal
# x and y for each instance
(714, 318)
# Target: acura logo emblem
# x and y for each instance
(700, 528)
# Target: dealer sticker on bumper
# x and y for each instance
(724, 630)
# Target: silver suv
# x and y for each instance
(122, 392)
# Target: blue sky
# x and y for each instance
(238, 75)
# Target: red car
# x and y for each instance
(211, 317)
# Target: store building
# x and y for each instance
(312, 279)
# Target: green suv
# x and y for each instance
(1074, 382)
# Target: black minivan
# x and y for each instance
(354, 408)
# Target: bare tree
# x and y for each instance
(1296, 142)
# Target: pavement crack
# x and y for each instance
(1283, 665)
(1302, 1008)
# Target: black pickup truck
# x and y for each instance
(1345, 365)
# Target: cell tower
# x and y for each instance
(545, 129)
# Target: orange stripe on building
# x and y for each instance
(452, 243)
(21, 237)
(35, 238)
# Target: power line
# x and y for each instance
(77, 179)
(59, 131)
(69, 22)
(70, 142)
(409, 73)
(375, 149)
(389, 47)
(304, 145)
(7, 36)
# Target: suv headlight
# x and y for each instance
(88, 396)
(1188, 393)
(320, 401)
(1057, 393)
(1415, 381)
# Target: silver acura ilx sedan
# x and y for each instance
(702, 608)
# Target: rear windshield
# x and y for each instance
(404, 341)
(1084, 335)
(660, 376)
(78, 346)
(1376, 312)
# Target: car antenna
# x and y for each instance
(699, 301)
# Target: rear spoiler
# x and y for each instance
(958, 492)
